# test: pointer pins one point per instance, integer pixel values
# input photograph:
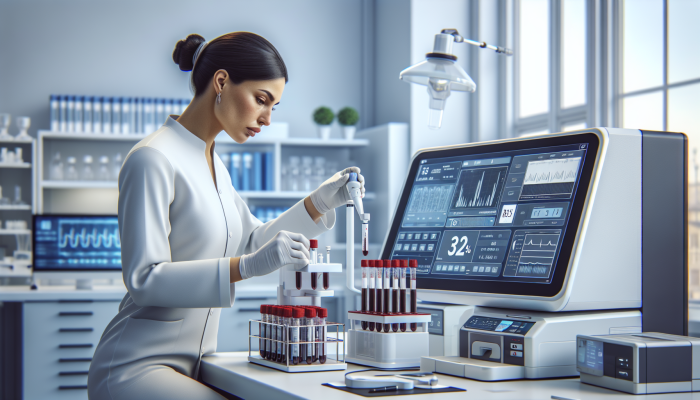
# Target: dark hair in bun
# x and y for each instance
(244, 55)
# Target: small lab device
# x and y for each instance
(642, 363)
(81, 247)
(548, 236)
(446, 320)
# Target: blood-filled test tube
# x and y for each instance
(263, 329)
(298, 280)
(413, 264)
(273, 350)
(379, 265)
(286, 354)
(310, 315)
(365, 239)
(321, 314)
(297, 315)
(313, 251)
(370, 305)
(365, 289)
(402, 287)
(395, 273)
(387, 291)
(326, 280)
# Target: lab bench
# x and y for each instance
(233, 373)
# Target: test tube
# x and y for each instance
(263, 329)
(413, 264)
(379, 265)
(286, 355)
(314, 257)
(365, 287)
(297, 315)
(321, 314)
(402, 296)
(387, 291)
(365, 239)
(326, 275)
(280, 321)
(310, 315)
(298, 280)
(370, 305)
(395, 267)
(273, 352)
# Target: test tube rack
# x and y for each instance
(336, 364)
(387, 349)
(289, 295)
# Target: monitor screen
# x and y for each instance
(76, 243)
(496, 218)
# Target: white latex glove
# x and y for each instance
(332, 193)
(286, 248)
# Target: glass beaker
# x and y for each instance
(56, 169)
(71, 169)
(87, 173)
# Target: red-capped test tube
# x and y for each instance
(297, 315)
(313, 251)
(286, 355)
(310, 315)
(379, 277)
(413, 264)
(387, 291)
(371, 305)
(273, 353)
(395, 272)
(365, 289)
(263, 329)
(402, 288)
(321, 314)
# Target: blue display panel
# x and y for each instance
(589, 356)
(76, 243)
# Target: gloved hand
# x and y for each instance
(332, 193)
(284, 249)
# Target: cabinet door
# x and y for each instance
(59, 339)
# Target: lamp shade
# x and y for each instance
(439, 70)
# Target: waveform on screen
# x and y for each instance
(478, 201)
(94, 239)
(542, 244)
(552, 171)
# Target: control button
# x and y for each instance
(514, 353)
(624, 374)
(516, 346)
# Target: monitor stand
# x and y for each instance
(492, 347)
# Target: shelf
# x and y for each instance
(306, 142)
(15, 141)
(91, 136)
(285, 195)
(18, 207)
(79, 184)
(16, 165)
(15, 232)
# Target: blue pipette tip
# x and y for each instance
(353, 176)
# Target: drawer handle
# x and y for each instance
(74, 313)
(72, 387)
(66, 373)
(75, 330)
(74, 360)
(75, 346)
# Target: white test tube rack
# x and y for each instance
(387, 349)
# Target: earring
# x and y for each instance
(218, 98)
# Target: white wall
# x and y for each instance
(123, 48)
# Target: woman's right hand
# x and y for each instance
(286, 248)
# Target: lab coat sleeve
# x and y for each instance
(146, 190)
(296, 219)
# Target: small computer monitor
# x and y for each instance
(76, 247)
(497, 218)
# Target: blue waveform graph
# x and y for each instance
(89, 238)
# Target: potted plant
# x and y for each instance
(348, 117)
(323, 117)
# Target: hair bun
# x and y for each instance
(184, 51)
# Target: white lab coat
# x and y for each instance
(177, 233)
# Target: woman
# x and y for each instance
(187, 236)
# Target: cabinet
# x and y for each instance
(59, 339)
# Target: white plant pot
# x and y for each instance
(349, 132)
(324, 131)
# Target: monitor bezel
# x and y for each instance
(485, 286)
(48, 270)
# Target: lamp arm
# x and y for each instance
(483, 45)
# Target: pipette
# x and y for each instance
(355, 191)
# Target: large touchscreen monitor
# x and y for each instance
(494, 218)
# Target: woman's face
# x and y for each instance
(247, 106)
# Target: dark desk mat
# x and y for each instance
(366, 393)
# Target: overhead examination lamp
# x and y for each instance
(441, 73)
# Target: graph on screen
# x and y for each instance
(80, 237)
(537, 254)
(479, 187)
(553, 178)
(430, 198)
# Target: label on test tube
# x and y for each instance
(294, 333)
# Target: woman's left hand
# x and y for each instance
(332, 193)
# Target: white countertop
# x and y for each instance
(232, 372)
(22, 293)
